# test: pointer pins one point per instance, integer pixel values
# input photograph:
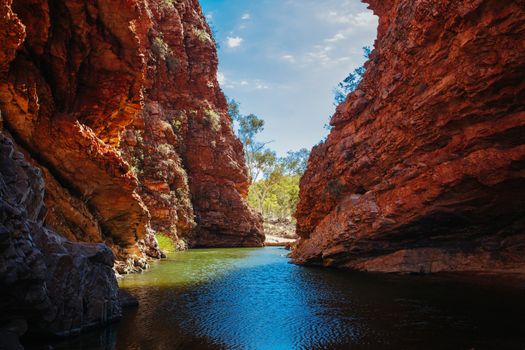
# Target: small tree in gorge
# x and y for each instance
(248, 127)
(274, 181)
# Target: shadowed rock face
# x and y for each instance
(424, 169)
(74, 83)
(54, 285)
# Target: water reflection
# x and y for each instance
(254, 299)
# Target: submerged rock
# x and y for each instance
(427, 174)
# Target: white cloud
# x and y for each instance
(221, 78)
(364, 19)
(288, 58)
(245, 84)
(234, 41)
(320, 54)
(209, 15)
(360, 19)
(246, 16)
(337, 37)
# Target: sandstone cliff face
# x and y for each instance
(75, 81)
(122, 111)
(189, 163)
(424, 169)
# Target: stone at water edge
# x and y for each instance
(56, 286)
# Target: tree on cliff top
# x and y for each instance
(351, 82)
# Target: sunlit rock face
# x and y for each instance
(188, 161)
(118, 104)
(424, 169)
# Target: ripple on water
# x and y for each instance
(254, 299)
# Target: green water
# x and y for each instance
(188, 268)
(255, 299)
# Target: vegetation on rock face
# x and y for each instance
(160, 47)
(214, 118)
(274, 180)
(202, 35)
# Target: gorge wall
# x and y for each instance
(113, 127)
(424, 169)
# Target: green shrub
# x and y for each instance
(214, 118)
(168, 3)
(176, 123)
(202, 35)
(164, 149)
(160, 47)
(138, 135)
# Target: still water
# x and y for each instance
(255, 299)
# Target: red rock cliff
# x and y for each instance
(118, 103)
(424, 169)
(189, 163)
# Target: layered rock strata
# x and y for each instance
(424, 169)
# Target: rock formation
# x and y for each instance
(424, 169)
(81, 76)
(116, 109)
(182, 146)
(52, 285)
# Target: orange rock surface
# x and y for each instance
(123, 113)
(189, 163)
(424, 169)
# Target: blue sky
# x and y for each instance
(281, 59)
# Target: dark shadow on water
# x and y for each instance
(260, 301)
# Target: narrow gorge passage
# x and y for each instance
(153, 153)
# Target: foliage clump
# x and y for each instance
(169, 3)
(348, 85)
(164, 149)
(351, 82)
(162, 49)
(213, 118)
(177, 121)
(202, 35)
(274, 180)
